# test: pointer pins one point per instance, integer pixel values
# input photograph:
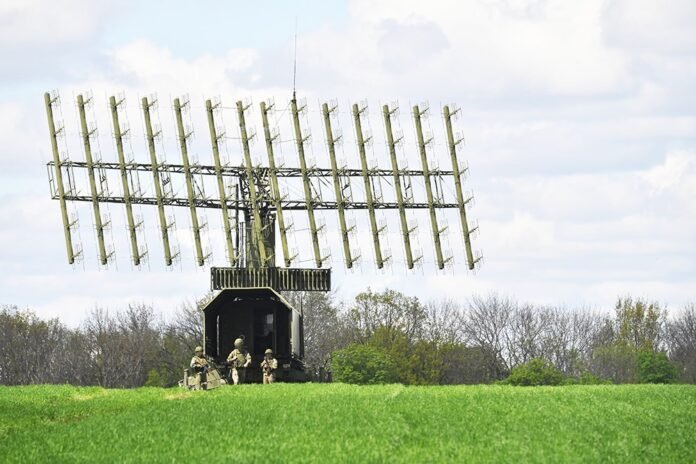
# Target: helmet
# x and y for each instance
(268, 351)
(199, 348)
(238, 343)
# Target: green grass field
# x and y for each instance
(342, 423)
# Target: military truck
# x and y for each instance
(264, 319)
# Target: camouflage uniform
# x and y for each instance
(269, 366)
(199, 363)
(239, 360)
(200, 367)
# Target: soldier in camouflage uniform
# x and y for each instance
(200, 367)
(269, 366)
(239, 360)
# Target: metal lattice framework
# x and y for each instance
(258, 195)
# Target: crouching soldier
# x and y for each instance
(269, 366)
(239, 360)
(200, 367)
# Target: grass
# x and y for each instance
(342, 423)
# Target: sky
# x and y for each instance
(579, 121)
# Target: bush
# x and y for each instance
(588, 378)
(538, 371)
(655, 367)
(363, 364)
(616, 361)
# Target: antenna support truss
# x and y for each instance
(257, 196)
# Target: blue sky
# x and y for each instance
(579, 118)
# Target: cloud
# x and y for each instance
(40, 23)
(650, 26)
(578, 116)
(404, 43)
(36, 36)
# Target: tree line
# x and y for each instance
(387, 336)
(378, 337)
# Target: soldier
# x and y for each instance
(239, 360)
(200, 367)
(269, 366)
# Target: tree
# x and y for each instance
(467, 365)
(187, 325)
(655, 367)
(486, 325)
(616, 361)
(363, 364)
(639, 323)
(682, 342)
(33, 350)
(444, 320)
(324, 328)
(389, 309)
(537, 371)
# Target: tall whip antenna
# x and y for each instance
(294, 63)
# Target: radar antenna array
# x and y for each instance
(260, 194)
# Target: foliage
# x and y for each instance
(364, 364)
(588, 378)
(439, 342)
(537, 371)
(324, 328)
(655, 367)
(682, 342)
(343, 423)
(639, 323)
(389, 309)
(617, 362)
(462, 364)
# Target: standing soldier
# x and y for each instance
(239, 360)
(269, 366)
(200, 367)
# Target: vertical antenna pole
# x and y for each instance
(340, 201)
(257, 224)
(189, 182)
(275, 190)
(57, 163)
(124, 180)
(231, 255)
(86, 134)
(405, 232)
(305, 180)
(157, 181)
(428, 187)
(452, 144)
(368, 187)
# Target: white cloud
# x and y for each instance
(579, 123)
(35, 22)
(651, 26)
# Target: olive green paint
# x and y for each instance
(231, 254)
(190, 192)
(368, 188)
(86, 134)
(257, 224)
(299, 141)
(127, 200)
(452, 145)
(149, 134)
(57, 164)
(391, 143)
(340, 200)
(275, 189)
(417, 114)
